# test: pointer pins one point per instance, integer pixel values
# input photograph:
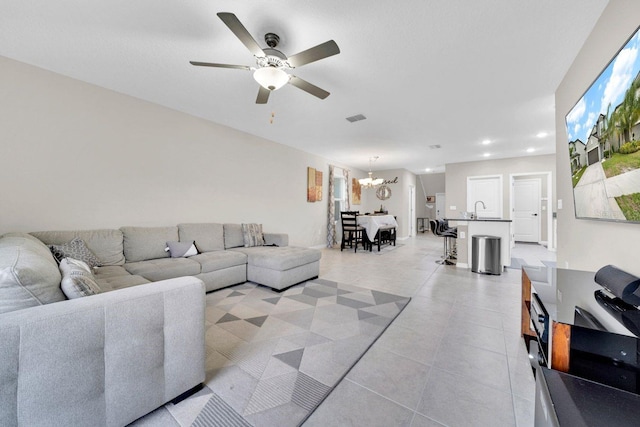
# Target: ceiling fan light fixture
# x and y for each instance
(271, 78)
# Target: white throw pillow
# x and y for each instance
(77, 279)
(181, 249)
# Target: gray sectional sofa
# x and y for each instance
(135, 255)
(110, 358)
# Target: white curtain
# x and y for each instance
(347, 187)
(331, 219)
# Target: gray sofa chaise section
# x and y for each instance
(106, 359)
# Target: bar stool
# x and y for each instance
(441, 228)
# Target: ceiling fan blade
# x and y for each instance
(263, 96)
(308, 87)
(212, 64)
(241, 32)
(313, 54)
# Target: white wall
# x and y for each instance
(457, 173)
(589, 244)
(77, 156)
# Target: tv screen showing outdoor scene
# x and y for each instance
(603, 129)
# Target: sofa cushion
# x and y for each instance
(29, 276)
(280, 258)
(75, 249)
(162, 269)
(181, 249)
(276, 239)
(143, 243)
(252, 235)
(77, 279)
(233, 237)
(114, 277)
(106, 244)
(218, 260)
(208, 236)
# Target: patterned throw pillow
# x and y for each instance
(181, 249)
(252, 235)
(77, 279)
(75, 249)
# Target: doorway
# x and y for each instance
(526, 210)
(440, 205)
(545, 199)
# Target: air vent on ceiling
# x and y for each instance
(356, 118)
(435, 146)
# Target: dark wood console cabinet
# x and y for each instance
(575, 332)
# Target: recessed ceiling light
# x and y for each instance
(486, 142)
(541, 134)
(486, 154)
(427, 170)
(530, 150)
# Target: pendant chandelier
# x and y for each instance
(370, 181)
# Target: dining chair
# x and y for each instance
(352, 233)
(385, 234)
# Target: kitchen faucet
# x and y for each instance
(475, 208)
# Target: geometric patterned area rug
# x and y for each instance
(272, 357)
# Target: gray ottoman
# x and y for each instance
(281, 267)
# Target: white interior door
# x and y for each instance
(440, 205)
(412, 210)
(486, 189)
(526, 210)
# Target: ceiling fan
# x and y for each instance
(272, 64)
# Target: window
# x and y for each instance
(339, 195)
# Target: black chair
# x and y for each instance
(352, 233)
(385, 234)
(441, 228)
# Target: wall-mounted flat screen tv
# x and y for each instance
(603, 129)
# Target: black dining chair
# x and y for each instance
(352, 233)
(385, 234)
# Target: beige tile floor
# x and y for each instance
(453, 357)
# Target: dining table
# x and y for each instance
(372, 223)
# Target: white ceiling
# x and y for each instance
(424, 72)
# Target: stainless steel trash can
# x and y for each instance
(485, 254)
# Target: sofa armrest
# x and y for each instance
(278, 239)
(106, 359)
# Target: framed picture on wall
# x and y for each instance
(318, 186)
(314, 185)
(356, 191)
(311, 185)
(431, 199)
